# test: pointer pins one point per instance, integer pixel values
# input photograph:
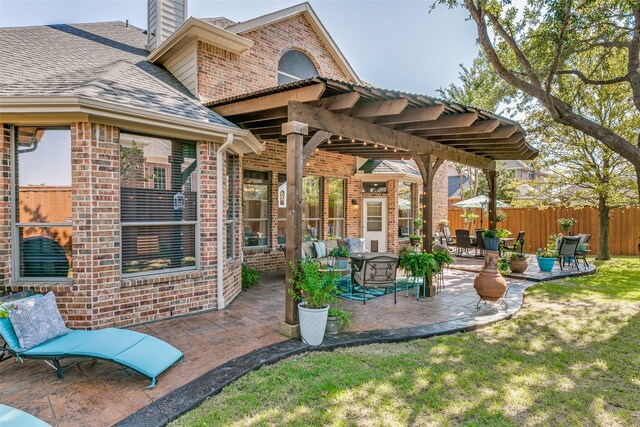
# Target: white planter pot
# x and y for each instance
(313, 323)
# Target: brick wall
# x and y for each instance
(5, 205)
(97, 296)
(222, 74)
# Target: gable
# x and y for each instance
(222, 74)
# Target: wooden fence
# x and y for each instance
(624, 228)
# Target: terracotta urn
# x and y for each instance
(489, 283)
(518, 265)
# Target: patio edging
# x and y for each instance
(183, 399)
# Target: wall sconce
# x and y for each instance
(354, 202)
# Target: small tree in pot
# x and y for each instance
(315, 290)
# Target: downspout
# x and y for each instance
(219, 218)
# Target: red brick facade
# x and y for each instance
(98, 296)
(222, 74)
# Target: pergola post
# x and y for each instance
(295, 132)
(428, 169)
(492, 182)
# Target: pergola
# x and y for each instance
(325, 114)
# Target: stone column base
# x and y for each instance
(291, 331)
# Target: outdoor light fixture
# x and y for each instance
(329, 141)
(354, 202)
(386, 148)
(395, 150)
(340, 138)
(353, 141)
(364, 143)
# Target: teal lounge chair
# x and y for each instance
(141, 352)
(12, 417)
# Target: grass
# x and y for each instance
(570, 357)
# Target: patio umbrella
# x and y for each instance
(479, 202)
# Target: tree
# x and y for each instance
(583, 172)
(539, 48)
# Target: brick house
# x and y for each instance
(130, 189)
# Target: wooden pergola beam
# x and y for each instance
(379, 108)
(318, 138)
(515, 138)
(479, 127)
(349, 127)
(343, 101)
(414, 115)
(260, 116)
(280, 99)
(443, 122)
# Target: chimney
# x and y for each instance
(163, 18)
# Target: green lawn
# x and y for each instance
(570, 357)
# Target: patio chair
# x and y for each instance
(464, 241)
(567, 251)
(519, 239)
(377, 272)
(479, 243)
(450, 241)
(143, 353)
(582, 254)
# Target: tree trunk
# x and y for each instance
(603, 218)
(637, 168)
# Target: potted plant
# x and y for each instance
(337, 320)
(414, 239)
(315, 291)
(417, 223)
(341, 254)
(546, 259)
(420, 265)
(566, 223)
(491, 240)
(469, 217)
(517, 261)
(443, 258)
(503, 266)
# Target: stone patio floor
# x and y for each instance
(99, 393)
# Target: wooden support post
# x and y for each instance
(428, 169)
(492, 178)
(295, 132)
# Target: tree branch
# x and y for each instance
(634, 58)
(589, 81)
(558, 54)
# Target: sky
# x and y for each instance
(391, 44)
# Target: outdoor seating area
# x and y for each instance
(98, 389)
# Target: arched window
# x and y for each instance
(295, 65)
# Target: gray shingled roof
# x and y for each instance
(103, 61)
(219, 21)
(389, 166)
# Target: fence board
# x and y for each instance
(539, 224)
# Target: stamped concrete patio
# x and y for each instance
(99, 393)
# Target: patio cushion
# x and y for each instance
(320, 249)
(143, 353)
(37, 320)
(356, 246)
(6, 327)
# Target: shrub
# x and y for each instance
(317, 288)
(344, 317)
(250, 277)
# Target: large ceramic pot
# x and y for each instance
(342, 262)
(491, 243)
(518, 265)
(546, 264)
(313, 323)
(489, 283)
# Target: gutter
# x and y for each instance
(219, 219)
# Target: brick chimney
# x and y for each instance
(163, 18)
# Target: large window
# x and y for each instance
(295, 65)
(311, 207)
(405, 209)
(159, 222)
(336, 207)
(255, 200)
(233, 204)
(43, 203)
